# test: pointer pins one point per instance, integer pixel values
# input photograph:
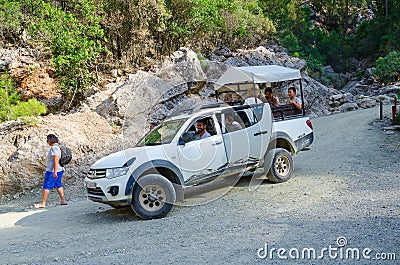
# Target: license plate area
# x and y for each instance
(90, 184)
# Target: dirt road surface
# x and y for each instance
(341, 207)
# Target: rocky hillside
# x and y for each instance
(117, 115)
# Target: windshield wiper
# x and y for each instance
(156, 143)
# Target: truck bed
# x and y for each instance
(290, 123)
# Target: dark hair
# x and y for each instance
(229, 116)
(203, 121)
(52, 138)
(268, 89)
(292, 88)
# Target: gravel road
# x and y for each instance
(343, 200)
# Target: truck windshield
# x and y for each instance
(162, 134)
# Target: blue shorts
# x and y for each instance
(50, 182)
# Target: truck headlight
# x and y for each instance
(116, 172)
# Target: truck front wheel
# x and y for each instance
(281, 167)
(153, 196)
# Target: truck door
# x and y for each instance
(245, 146)
(264, 118)
(202, 159)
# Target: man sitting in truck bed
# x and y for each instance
(293, 99)
(270, 98)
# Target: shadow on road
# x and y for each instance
(90, 213)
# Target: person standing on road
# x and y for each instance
(54, 172)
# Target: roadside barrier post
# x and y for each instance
(394, 110)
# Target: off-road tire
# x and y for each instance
(153, 196)
(281, 166)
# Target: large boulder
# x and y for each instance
(348, 107)
(147, 97)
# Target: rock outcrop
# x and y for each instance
(24, 149)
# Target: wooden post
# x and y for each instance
(381, 110)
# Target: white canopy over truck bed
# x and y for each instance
(237, 79)
(255, 74)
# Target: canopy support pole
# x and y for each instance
(254, 92)
(302, 98)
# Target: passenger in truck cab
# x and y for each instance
(231, 124)
(293, 99)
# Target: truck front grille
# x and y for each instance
(97, 173)
(95, 191)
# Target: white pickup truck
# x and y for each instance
(152, 176)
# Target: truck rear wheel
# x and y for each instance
(153, 196)
(281, 167)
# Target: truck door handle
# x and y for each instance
(217, 143)
(258, 133)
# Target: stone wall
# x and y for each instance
(348, 102)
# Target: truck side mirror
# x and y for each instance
(187, 137)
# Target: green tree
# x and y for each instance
(388, 67)
(74, 35)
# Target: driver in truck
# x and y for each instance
(202, 129)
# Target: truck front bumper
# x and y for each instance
(109, 191)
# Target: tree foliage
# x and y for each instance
(143, 30)
(10, 18)
(388, 67)
(74, 36)
(86, 36)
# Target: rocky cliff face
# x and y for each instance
(116, 116)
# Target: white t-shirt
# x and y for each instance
(54, 150)
(297, 100)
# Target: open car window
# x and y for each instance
(239, 119)
(162, 134)
(210, 127)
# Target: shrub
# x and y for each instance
(27, 110)
(388, 68)
(12, 108)
(10, 19)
